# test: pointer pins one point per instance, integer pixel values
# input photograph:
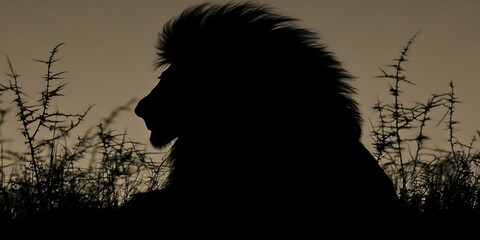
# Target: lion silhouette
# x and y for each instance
(261, 124)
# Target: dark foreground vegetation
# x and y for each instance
(100, 168)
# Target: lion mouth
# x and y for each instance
(149, 125)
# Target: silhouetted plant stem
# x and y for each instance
(398, 109)
(23, 114)
(452, 100)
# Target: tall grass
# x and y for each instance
(98, 169)
(102, 168)
(431, 183)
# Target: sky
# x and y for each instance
(109, 51)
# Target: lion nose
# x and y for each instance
(139, 109)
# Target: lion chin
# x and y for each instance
(161, 140)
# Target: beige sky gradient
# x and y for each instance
(109, 50)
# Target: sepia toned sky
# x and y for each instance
(109, 50)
